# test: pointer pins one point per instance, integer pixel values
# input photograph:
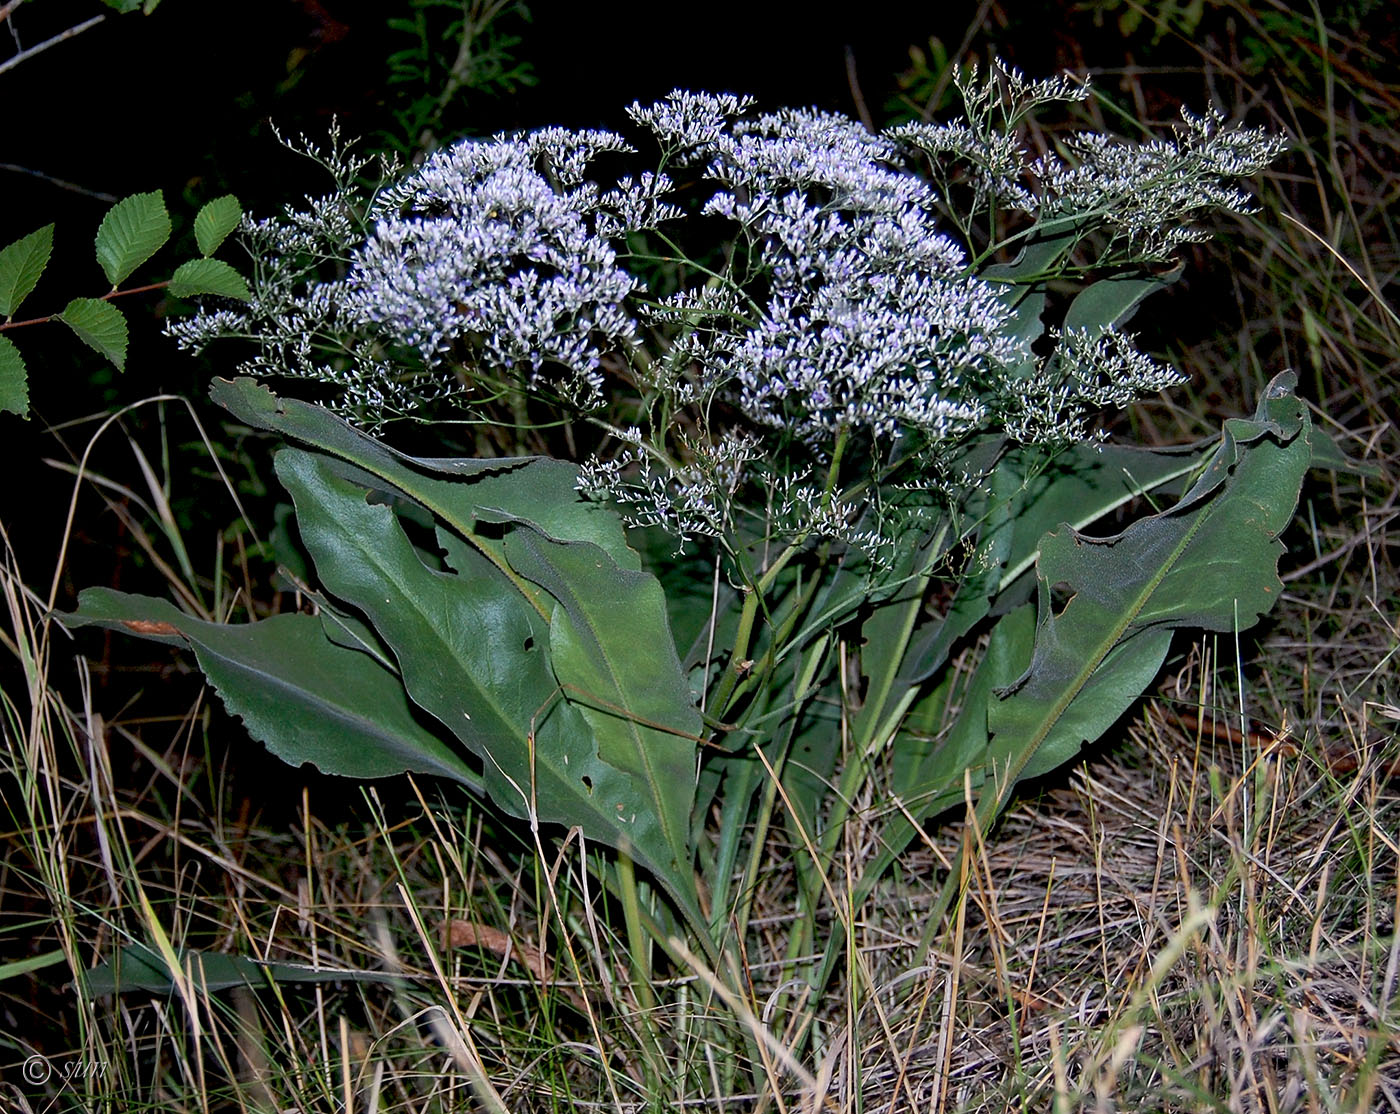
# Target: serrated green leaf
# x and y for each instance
(134, 229)
(214, 222)
(306, 698)
(208, 276)
(21, 265)
(99, 325)
(14, 379)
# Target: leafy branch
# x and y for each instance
(131, 232)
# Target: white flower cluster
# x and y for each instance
(1145, 194)
(1090, 369)
(986, 139)
(1149, 192)
(863, 316)
(478, 258)
(837, 317)
(690, 498)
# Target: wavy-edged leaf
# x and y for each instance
(612, 651)
(14, 379)
(476, 656)
(21, 265)
(134, 229)
(99, 325)
(1209, 562)
(545, 495)
(215, 221)
(208, 276)
(1081, 485)
(306, 698)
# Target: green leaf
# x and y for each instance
(137, 967)
(134, 229)
(1209, 562)
(473, 654)
(21, 265)
(99, 325)
(214, 222)
(614, 657)
(14, 382)
(460, 492)
(1025, 278)
(929, 763)
(1081, 485)
(308, 699)
(208, 276)
(1110, 302)
(30, 964)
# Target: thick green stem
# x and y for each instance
(638, 942)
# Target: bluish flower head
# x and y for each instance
(480, 257)
(864, 316)
(837, 304)
(686, 122)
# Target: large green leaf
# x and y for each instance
(1081, 485)
(613, 654)
(1110, 302)
(308, 699)
(1209, 562)
(475, 655)
(544, 496)
(214, 221)
(21, 265)
(134, 229)
(99, 325)
(1024, 279)
(14, 380)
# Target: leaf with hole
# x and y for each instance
(1210, 562)
(612, 652)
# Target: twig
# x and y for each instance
(25, 55)
(59, 182)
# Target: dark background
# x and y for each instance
(182, 98)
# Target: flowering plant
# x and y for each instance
(839, 385)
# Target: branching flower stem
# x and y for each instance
(739, 664)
